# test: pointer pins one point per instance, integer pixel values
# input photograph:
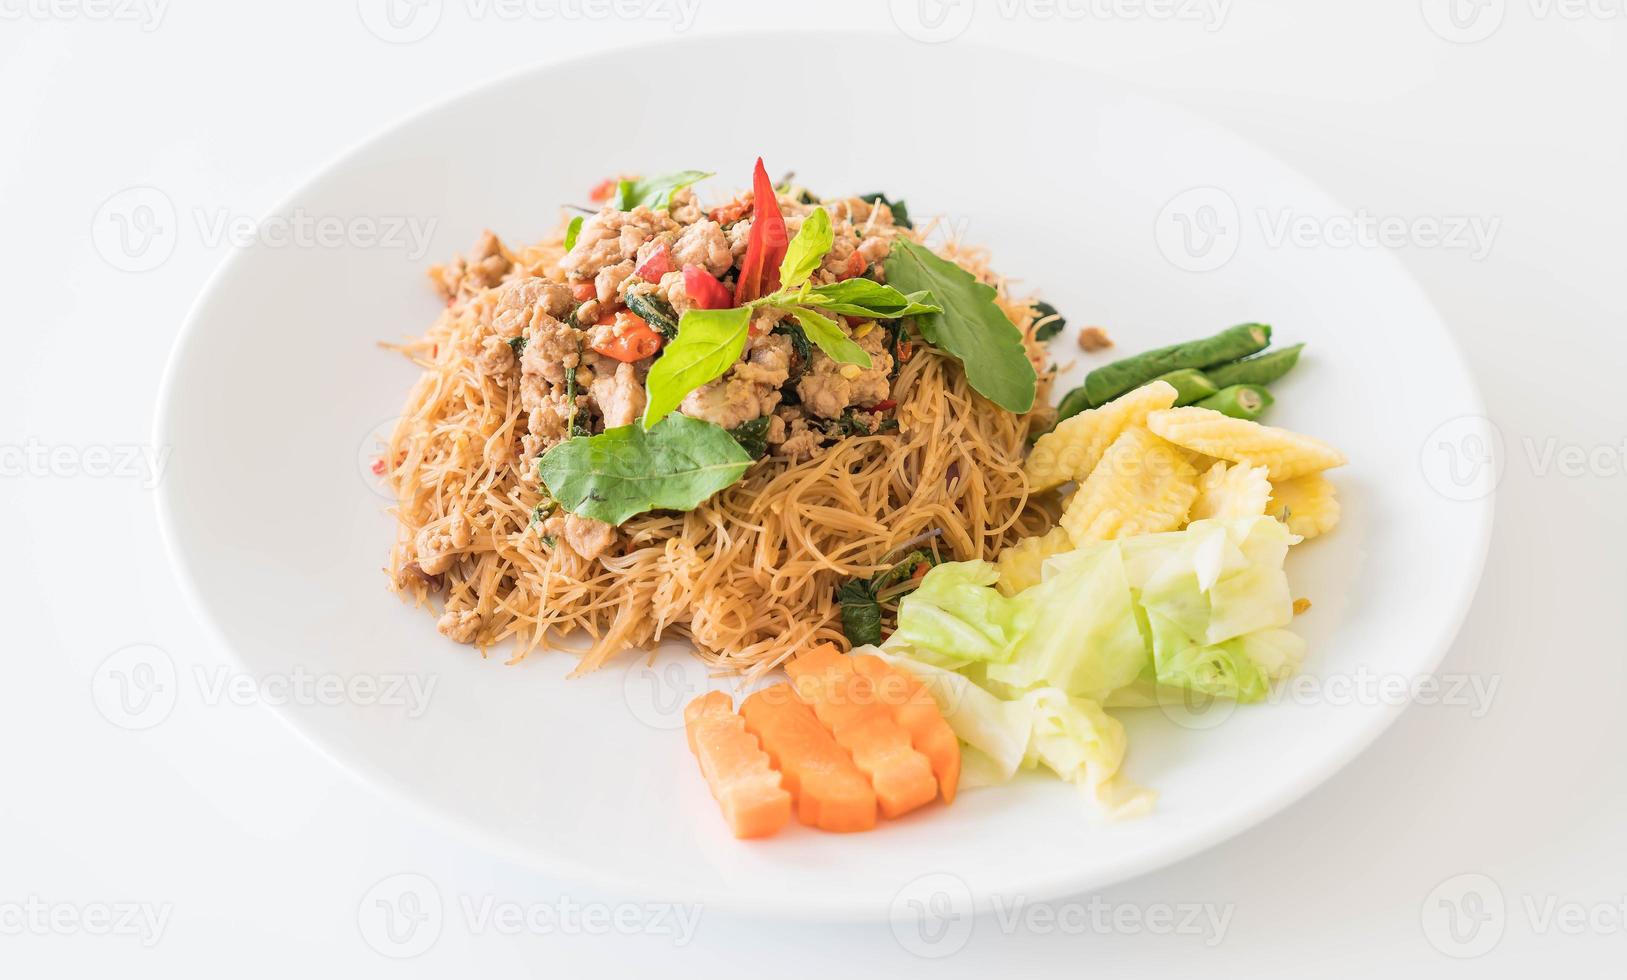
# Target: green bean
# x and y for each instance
(1261, 369)
(1072, 404)
(1190, 385)
(1239, 401)
(1112, 380)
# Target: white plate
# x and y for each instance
(277, 388)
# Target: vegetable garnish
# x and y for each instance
(830, 791)
(655, 311)
(860, 599)
(1232, 358)
(704, 291)
(901, 214)
(917, 713)
(1239, 401)
(710, 340)
(753, 435)
(845, 702)
(708, 344)
(1190, 385)
(631, 339)
(658, 264)
(970, 325)
(626, 471)
(1047, 322)
(737, 770)
(767, 246)
(807, 250)
(1110, 381)
(653, 192)
(1261, 369)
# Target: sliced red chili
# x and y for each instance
(631, 339)
(885, 406)
(657, 264)
(765, 248)
(602, 190)
(705, 292)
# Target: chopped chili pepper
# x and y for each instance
(378, 466)
(602, 190)
(658, 264)
(728, 214)
(705, 292)
(631, 338)
(885, 406)
(906, 349)
(765, 249)
(584, 291)
(854, 268)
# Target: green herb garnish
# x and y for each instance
(970, 326)
(709, 342)
(653, 192)
(1047, 322)
(753, 435)
(625, 471)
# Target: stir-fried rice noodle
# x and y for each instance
(750, 575)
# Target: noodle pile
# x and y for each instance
(750, 575)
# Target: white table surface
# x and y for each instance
(250, 855)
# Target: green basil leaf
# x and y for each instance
(866, 297)
(654, 192)
(861, 613)
(753, 435)
(709, 342)
(626, 471)
(828, 336)
(806, 250)
(901, 214)
(571, 231)
(971, 326)
(1048, 322)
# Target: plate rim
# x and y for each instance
(1040, 887)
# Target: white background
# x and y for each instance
(261, 853)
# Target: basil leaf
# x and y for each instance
(901, 214)
(971, 326)
(625, 471)
(825, 333)
(861, 614)
(708, 343)
(571, 231)
(655, 192)
(806, 250)
(866, 297)
(753, 435)
(1048, 322)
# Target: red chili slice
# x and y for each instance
(705, 292)
(658, 264)
(765, 248)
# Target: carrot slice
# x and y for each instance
(846, 702)
(830, 791)
(738, 772)
(917, 713)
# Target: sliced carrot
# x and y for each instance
(830, 791)
(917, 713)
(846, 703)
(737, 770)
